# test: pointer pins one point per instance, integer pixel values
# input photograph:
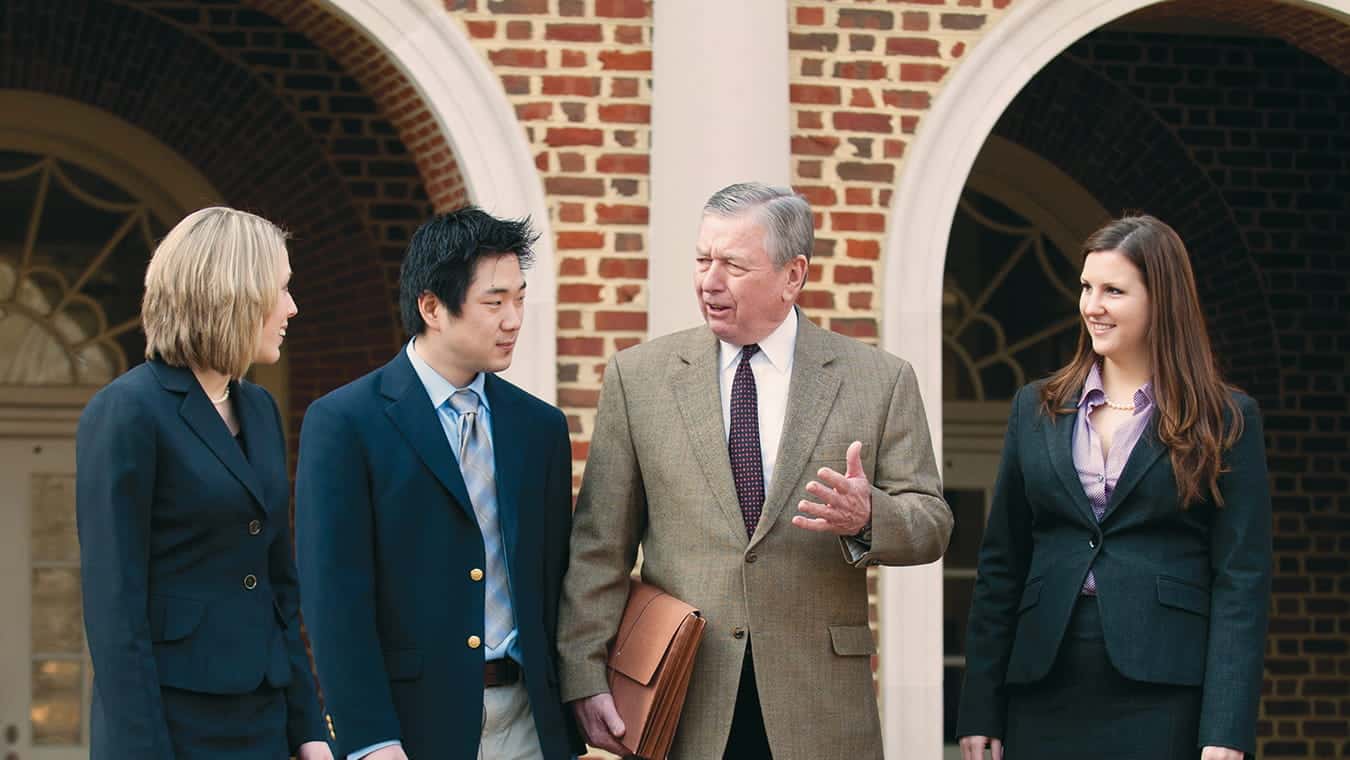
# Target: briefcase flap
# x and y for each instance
(650, 622)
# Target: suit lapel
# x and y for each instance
(698, 394)
(201, 417)
(1059, 442)
(257, 422)
(811, 392)
(1146, 452)
(414, 416)
(510, 438)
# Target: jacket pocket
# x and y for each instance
(173, 617)
(826, 453)
(1174, 592)
(1031, 595)
(403, 664)
(852, 640)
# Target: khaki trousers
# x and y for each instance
(508, 725)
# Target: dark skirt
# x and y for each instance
(1085, 708)
(227, 726)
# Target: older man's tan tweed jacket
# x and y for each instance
(659, 476)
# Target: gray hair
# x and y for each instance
(789, 228)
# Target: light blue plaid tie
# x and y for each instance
(475, 462)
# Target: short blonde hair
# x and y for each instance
(210, 284)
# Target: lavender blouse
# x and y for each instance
(1097, 473)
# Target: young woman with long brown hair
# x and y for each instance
(1120, 607)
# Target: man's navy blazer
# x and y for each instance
(186, 559)
(1183, 593)
(386, 543)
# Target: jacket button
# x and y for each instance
(254, 527)
(738, 632)
(475, 574)
(475, 642)
(751, 558)
(1092, 543)
(250, 581)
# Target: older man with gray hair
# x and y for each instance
(762, 464)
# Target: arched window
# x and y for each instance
(71, 262)
(1009, 316)
(84, 198)
(1009, 305)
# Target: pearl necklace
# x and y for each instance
(1109, 402)
(226, 396)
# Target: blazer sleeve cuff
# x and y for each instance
(582, 679)
(856, 551)
(360, 753)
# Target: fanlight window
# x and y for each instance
(1009, 303)
(73, 250)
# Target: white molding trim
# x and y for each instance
(471, 110)
(28, 412)
(936, 168)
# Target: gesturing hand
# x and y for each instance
(1220, 753)
(845, 505)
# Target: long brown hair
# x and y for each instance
(1198, 419)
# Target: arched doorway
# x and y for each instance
(1008, 312)
(1003, 66)
(79, 223)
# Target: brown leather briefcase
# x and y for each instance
(649, 666)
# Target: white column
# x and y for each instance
(719, 115)
(910, 598)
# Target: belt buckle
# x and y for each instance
(500, 672)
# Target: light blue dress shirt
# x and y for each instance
(440, 390)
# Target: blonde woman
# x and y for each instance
(190, 593)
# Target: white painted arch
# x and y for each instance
(471, 110)
(938, 164)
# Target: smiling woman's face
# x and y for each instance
(273, 331)
(1115, 307)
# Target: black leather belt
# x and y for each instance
(503, 672)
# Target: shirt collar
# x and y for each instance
(1094, 392)
(777, 347)
(438, 388)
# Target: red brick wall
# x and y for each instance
(863, 75)
(579, 75)
(359, 108)
(578, 72)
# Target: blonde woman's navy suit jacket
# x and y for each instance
(186, 559)
(1183, 593)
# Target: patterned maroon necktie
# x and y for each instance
(747, 466)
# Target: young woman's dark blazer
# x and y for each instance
(1183, 594)
(186, 559)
